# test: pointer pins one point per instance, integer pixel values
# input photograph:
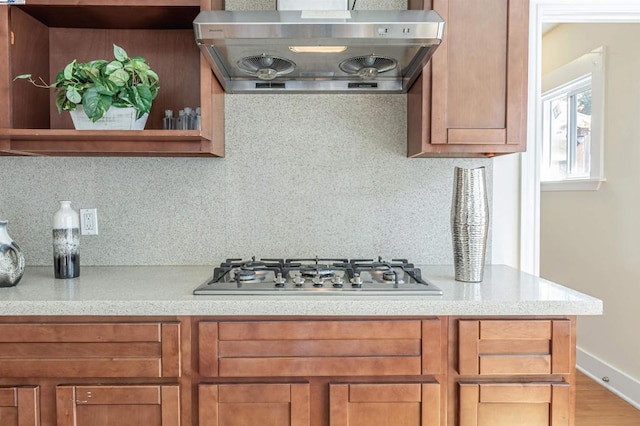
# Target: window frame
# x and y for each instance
(568, 79)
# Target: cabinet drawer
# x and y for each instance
(490, 404)
(319, 348)
(497, 347)
(90, 350)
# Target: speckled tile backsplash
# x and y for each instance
(304, 175)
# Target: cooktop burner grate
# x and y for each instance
(317, 276)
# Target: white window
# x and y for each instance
(572, 122)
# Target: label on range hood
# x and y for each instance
(325, 14)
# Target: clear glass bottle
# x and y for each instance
(66, 242)
(168, 122)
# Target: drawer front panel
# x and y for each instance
(317, 348)
(90, 350)
(512, 347)
(490, 404)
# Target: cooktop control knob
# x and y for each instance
(338, 282)
(356, 281)
(279, 280)
(318, 282)
(298, 281)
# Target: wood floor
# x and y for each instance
(596, 406)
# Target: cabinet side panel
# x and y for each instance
(29, 55)
(518, 46)
(5, 69)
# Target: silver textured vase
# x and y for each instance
(469, 223)
(11, 259)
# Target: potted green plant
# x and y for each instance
(126, 83)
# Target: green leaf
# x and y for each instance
(22, 76)
(68, 70)
(95, 104)
(119, 77)
(104, 90)
(73, 95)
(113, 66)
(119, 53)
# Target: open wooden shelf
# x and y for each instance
(42, 36)
(165, 143)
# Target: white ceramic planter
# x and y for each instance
(113, 119)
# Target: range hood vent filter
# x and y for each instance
(266, 67)
(318, 51)
(368, 67)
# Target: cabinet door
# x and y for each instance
(20, 406)
(515, 404)
(153, 405)
(509, 347)
(383, 404)
(472, 97)
(280, 404)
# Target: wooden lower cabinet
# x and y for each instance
(20, 406)
(509, 404)
(304, 371)
(270, 404)
(407, 404)
(154, 405)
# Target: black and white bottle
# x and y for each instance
(66, 242)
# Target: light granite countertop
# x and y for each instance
(167, 290)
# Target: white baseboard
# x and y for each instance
(620, 383)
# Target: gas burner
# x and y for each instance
(312, 271)
(389, 276)
(245, 274)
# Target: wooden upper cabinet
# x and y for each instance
(20, 406)
(515, 347)
(42, 36)
(471, 99)
(382, 404)
(154, 405)
(263, 404)
(90, 350)
(508, 404)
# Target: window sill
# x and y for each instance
(572, 185)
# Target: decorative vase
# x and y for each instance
(114, 119)
(11, 259)
(66, 242)
(469, 223)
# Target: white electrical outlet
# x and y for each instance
(89, 221)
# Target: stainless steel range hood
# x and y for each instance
(341, 51)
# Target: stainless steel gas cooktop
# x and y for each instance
(317, 276)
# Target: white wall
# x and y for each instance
(591, 240)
